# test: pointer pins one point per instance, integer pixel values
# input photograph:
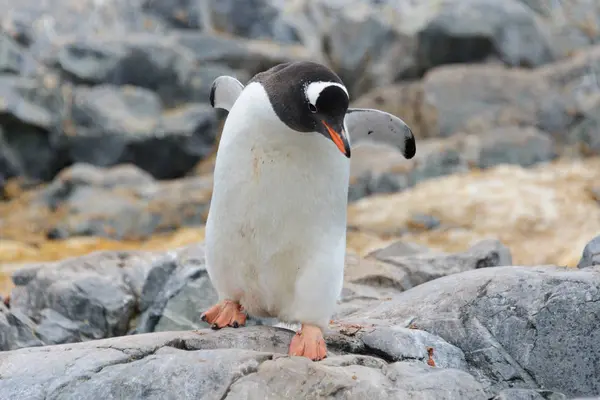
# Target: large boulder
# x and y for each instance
(508, 320)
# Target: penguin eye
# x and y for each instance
(312, 108)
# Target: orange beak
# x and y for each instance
(339, 139)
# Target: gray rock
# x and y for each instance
(97, 60)
(9, 162)
(511, 145)
(127, 125)
(85, 175)
(16, 330)
(507, 321)
(420, 268)
(401, 248)
(471, 31)
(115, 202)
(473, 334)
(223, 364)
(11, 54)
(475, 99)
(380, 168)
(572, 25)
(404, 344)
(253, 19)
(364, 42)
(54, 328)
(591, 254)
(184, 14)
(355, 378)
(586, 134)
(529, 394)
(83, 298)
(165, 281)
(176, 294)
(29, 148)
(237, 54)
(383, 274)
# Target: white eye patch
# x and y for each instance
(313, 90)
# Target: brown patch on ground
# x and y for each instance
(545, 214)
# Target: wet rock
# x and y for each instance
(128, 125)
(591, 254)
(507, 320)
(122, 202)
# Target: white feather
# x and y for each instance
(225, 91)
(314, 89)
(276, 230)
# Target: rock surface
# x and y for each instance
(480, 333)
(226, 365)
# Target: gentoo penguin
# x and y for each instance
(276, 228)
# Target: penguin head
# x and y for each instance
(308, 97)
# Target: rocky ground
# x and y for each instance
(461, 278)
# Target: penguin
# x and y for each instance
(275, 238)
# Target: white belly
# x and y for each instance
(276, 230)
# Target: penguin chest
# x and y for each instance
(278, 210)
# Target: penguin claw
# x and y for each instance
(309, 342)
(226, 313)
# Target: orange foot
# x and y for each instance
(226, 313)
(309, 342)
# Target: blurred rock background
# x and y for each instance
(107, 143)
(107, 138)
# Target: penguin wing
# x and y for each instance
(365, 123)
(224, 92)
